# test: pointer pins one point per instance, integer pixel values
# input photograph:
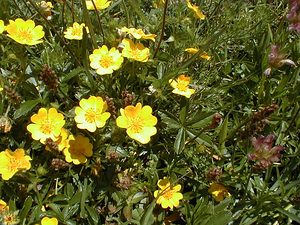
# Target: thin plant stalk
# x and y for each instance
(162, 29)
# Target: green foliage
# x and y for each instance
(202, 139)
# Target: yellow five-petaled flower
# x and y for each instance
(168, 196)
(134, 51)
(79, 149)
(138, 121)
(75, 32)
(25, 32)
(218, 191)
(100, 4)
(12, 162)
(106, 61)
(181, 86)
(91, 114)
(46, 124)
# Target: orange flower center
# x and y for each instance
(168, 193)
(77, 31)
(14, 164)
(135, 53)
(106, 61)
(8, 219)
(46, 127)
(136, 125)
(90, 116)
(182, 86)
(25, 34)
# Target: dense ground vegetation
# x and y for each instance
(193, 119)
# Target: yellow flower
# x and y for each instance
(138, 33)
(9, 218)
(100, 4)
(3, 206)
(197, 11)
(181, 86)
(12, 162)
(104, 61)
(2, 26)
(46, 124)
(138, 121)
(25, 32)
(79, 149)
(75, 32)
(49, 221)
(218, 191)
(203, 55)
(168, 195)
(134, 51)
(91, 113)
(62, 140)
(45, 8)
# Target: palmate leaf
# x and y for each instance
(205, 213)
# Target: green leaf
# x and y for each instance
(289, 215)
(137, 9)
(26, 107)
(57, 211)
(201, 119)
(26, 208)
(179, 141)
(172, 123)
(70, 211)
(73, 74)
(148, 218)
(182, 115)
(223, 135)
(92, 213)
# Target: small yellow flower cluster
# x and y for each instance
(23, 32)
(137, 120)
(48, 124)
(90, 114)
(136, 51)
(106, 61)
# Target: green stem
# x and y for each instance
(23, 15)
(162, 29)
(99, 21)
(127, 14)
